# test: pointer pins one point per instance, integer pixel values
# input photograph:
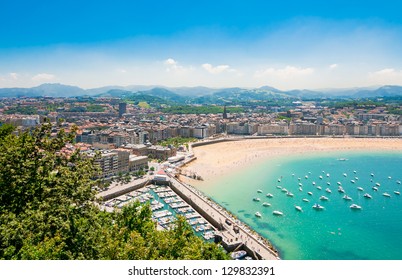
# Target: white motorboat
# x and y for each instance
(256, 199)
(279, 187)
(323, 197)
(318, 206)
(352, 181)
(346, 197)
(372, 174)
(328, 190)
(298, 208)
(313, 183)
(305, 200)
(289, 194)
(266, 204)
(259, 191)
(397, 193)
(270, 195)
(319, 188)
(306, 177)
(386, 194)
(300, 184)
(279, 180)
(366, 195)
(398, 182)
(238, 254)
(310, 193)
(328, 183)
(344, 174)
(340, 189)
(375, 188)
(360, 189)
(258, 214)
(284, 190)
(277, 213)
(339, 183)
(355, 206)
(300, 189)
(320, 177)
(378, 184)
(328, 175)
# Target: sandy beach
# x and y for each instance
(219, 159)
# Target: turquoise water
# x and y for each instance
(337, 232)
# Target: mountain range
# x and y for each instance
(199, 94)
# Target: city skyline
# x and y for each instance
(286, 45)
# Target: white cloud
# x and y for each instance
(217, 69)
(386, 76)
(333, 66)
(43, 77)
(284, 73)
(14, 76)
(173, 66)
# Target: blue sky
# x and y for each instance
(285, 44)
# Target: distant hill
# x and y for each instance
(200, 95)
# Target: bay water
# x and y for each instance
(335, 233)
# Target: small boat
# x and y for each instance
(259, 191)
(360, 188)
(357, 178)
(346, 197)
(258, 214)
(310, 193)
(372, 174)
(398, 182)
(344, 174)
(293, 174)
(378, 184)
(386, 194)
(256, 199)
(320, 177)
(366, 195)
(340, 189)
(279, 187)
(300, 189)
(375, 188)
(298, 208)
(339, 183)
(355, 206)
(313, 183)
(389, 177)
(305, 200)
(300, 184)
(328, 183)
(238, 254)
(278, 213)
(284, 190)
(328, 175)
(342, 159)
(319, 188)
(354, 171)
(289, 194)
(318, 206)
(328, 190)
(279, 179)
(266, 204)
(323, 197)
(306, 177)
(352, 181)
(270, 195)
(299, 178)
(397, 193)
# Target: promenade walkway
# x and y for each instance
(245, 236)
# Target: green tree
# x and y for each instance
(48, 209)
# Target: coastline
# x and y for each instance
(220, 159)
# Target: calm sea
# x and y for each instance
(337, 232)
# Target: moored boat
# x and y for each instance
(259, 191)
(256, 199)
(328, 190)
(397, 193)
(310, 193)
(360, 188)
(298, 208)
(238, 254)
(346, 197)
(266, 204)
(277, 213)
(258, 214)
(386, 194)
(355, 206)
(305, 200)
(270, 195)
(318, 206)
(323, 197)
(366, 195)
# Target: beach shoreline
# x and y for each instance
(217, 160)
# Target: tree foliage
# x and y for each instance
(48, 209)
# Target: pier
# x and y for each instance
(232, 233)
